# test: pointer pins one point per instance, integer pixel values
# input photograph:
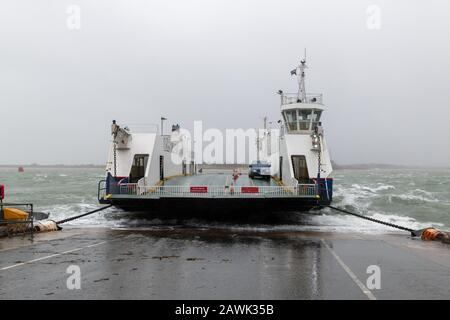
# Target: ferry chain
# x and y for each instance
(83, 215)
(414, 233)
(115, 159)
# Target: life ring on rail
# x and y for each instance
(2, 192)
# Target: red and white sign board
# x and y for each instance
(249, 190)
(198, 189)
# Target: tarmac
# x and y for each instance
(208, 263)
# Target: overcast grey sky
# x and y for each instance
(386, 90)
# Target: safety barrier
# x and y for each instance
(300, 190)
(17, 226)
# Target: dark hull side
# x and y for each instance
(193, 207)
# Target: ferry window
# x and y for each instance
(305, 114)
(138, 168)
(305, 119)
(291, 119)
(316, 115)
(291, 116)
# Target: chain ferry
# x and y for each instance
(141, 173)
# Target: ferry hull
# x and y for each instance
(227, 207)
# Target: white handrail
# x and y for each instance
(294, 182)
(290, 98)
(211, 191)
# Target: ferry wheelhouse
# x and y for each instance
(303, 154)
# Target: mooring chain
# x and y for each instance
(372, 219)
(115, 160)
(319, 157)
(83, 215)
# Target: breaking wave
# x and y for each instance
(345, 223)
(411, 198)
(380, 187)
(372, 200)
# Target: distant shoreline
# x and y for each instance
(86, 166)
(371, 166)
(358, 166)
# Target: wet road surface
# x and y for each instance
(187, 263)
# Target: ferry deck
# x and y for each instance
(216, 193)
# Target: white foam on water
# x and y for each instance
(411, 198)
(325, 222)
(60, 212)
(375, 194)
(380, 187)
(345, 223)
(360, 198)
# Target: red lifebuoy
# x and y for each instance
(2, 192)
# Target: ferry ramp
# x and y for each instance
(208, 263)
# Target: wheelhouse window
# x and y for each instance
(305, 119)
(301, 119)
(316, 115)
(291, 119)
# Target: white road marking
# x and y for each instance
(96, 244)
(363, 288)
(35, 243)
(51, 256)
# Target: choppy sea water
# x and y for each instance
(412, 198)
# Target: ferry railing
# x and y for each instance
(128, 188)
(298, 190)
(290, 98)
(101, 190)
(294, 182)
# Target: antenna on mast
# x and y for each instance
(299, 71)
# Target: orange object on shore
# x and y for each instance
(429, 234)
(432, 234)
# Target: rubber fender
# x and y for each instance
(431, 234)
(46, 225)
